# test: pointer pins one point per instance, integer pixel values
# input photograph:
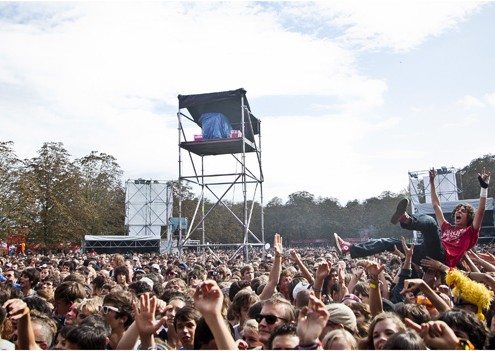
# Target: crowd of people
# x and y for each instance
(306, 298)
(384, 294)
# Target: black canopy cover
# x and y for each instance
(226, 102)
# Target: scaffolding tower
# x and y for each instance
(446, 185)
(218, 166)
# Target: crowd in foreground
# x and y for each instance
(306, 298)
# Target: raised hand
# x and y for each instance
(208, 298)
(16, 308)
(323, 270)
(312, 319)
(294, 256)
(484, 178)
(434, 264)
(397, 252)
(145, 315)
(436, 334)
(277, 245)
(432, 173)
(358, 272)
(374, 268)
(412, 284)
(408, 251)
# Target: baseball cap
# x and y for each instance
(155, 266)
(342, 314)
(299, 287)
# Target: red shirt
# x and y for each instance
(457, 241)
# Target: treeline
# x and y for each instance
(52, 199)
(305, 216)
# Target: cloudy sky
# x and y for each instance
(351, 95)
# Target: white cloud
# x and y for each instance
(105, 76)
(469, 101)
(490, 99)
(398, 25)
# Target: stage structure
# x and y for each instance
(450, 195)
(148, 205)
(445, 184)
(220, 152)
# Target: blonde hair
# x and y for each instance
(92, 305)
(339, 334)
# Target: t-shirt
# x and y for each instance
(457, 241)
(6, 345)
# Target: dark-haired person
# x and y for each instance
(28, 280)
(185, 323)
(86, 337)
(118, 312)
(443, 241)
(466, 325)
(122, 276)
(65, 296)
(284, 337)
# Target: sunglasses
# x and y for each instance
(270, 318)
(107, 309)
(172, 273)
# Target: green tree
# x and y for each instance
(12, 206)
(58, 197)
(104, 195)
(302, 218)
(469, 177)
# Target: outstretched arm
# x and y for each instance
(18, 310)
(484, 179)
(477, 259)
(435, 200)
(274, 276)
(436, 300)
(404, 273)
(322, 272)
(296, 258)
(376, 303)
(208, 299)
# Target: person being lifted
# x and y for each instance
(443, 241)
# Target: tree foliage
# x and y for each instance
(59, 200)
